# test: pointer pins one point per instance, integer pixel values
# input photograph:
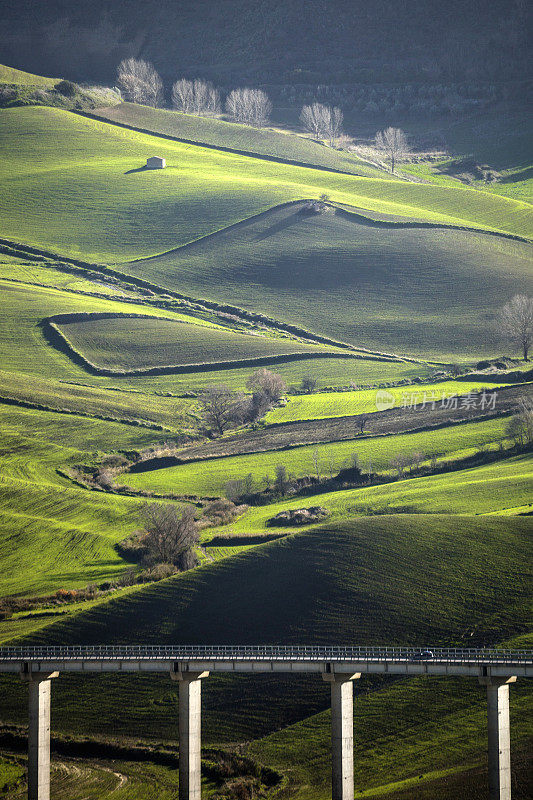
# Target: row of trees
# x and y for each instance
(140, 82)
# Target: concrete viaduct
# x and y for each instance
(339, 666)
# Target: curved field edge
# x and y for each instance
(12, 248)
(57, 337)
(360, 168)
(259, 185)
(351, 213)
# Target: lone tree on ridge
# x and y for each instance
(517, 322)
(393, 142)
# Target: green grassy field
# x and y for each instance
(50, 177)
(341, 404)
(53, 534)
(130, 344)
(428, 292)
(210, 477)
(18, 76)
(494, 487)
(216, 132)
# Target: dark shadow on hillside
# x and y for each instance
(137, 169)
(288, 222)
(523, 175)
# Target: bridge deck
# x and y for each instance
(261, 659)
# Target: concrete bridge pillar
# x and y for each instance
(190, 733)
(499, 739)
(342, 778)
(39, 687)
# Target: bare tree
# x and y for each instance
(334, 126)
(393, 142)
(249, 106)
(418, 457)
(517, 322)
(314, 119)
(400, 462)
(322, 121)
(170, 536)
(182, 96)
(195, 97)
(266, 383)
(139, 82)
(220, 407)
(520, 426)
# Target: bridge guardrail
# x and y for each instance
(263, 653)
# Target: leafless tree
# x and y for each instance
(520, 426)
(139, 82)
(362, 424)
(393, 142)
(399, 462)
(517, 322)
(195, 97)
(418, 457)
(249, 106)
(182, 96)
(322, 121)
(220, 408)
(170, 536)
(314, 119)
(266, 383)
(334, 128)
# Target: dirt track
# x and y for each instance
(395, 420)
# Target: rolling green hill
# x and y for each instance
(65, 165)
(17, 76)
(415, 579)
(221, 134)
(416, 290)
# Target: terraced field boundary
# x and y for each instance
(222, 309)
(222, 148)
(286, 435)
(56, 337)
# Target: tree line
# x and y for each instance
(140, 82)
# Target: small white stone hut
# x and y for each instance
(155, 162)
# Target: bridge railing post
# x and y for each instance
(190, 733)
(342, 771)
(39, 700)
(499, 736)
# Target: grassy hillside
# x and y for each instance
(54, 534)
(50, 177)
(218, 133)
(406, 289)
(495, 487)
(210, 477)
(11, 75)
(409, 579)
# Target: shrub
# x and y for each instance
(66, 88)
